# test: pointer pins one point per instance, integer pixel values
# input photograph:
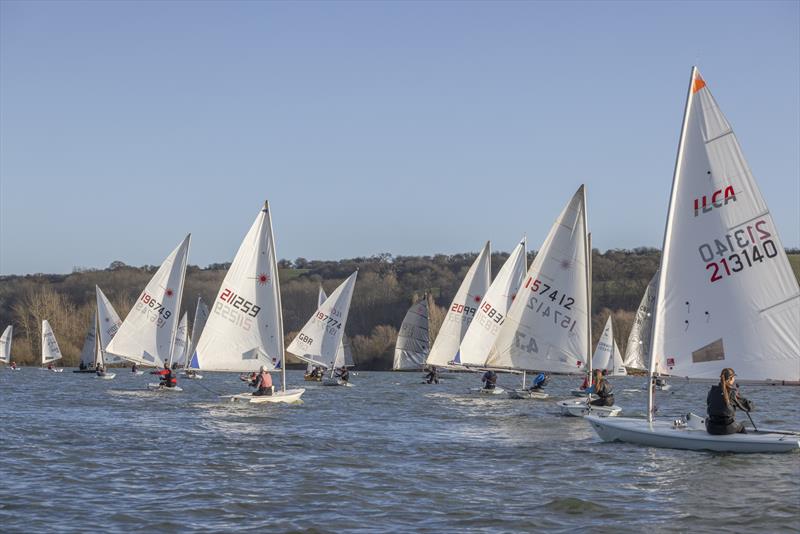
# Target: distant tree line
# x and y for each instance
(387, 285)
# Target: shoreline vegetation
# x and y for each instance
(387, 285)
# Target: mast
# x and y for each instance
(278, 292)
(588, 251)
(98, 343)
(667, 238)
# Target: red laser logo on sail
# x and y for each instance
(719, 198)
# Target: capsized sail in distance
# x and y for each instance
(546, 328)
(413, 339)
(147, 334)
(462, 310)
(638, 346)
(484, 328)
(319, 340)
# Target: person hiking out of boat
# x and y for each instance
(603, 390)
(433, 375)
(262, 382)
(721, 403)
(540, 381)
(489, 379)
(343, 374)
(168, 379)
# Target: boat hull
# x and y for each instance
(158, 387)
(484, 391)
(195, 376)
(107, 376)
(289, 396)
(668, 435)
(336, 382)
(581, 408)
(526, 394)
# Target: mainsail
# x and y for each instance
(181, 341)
(344, 355)
(413, 339)
(147, 334)
(480, 336)
(108, 324)
(88, 352)
(606, 355)
(638, 346)
(319, 341)
(199, 323)
(462, 310)
(547, 326)
(5, 344)
(244, 330)
(50, 350)
(727, 296)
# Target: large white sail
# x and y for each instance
(199, 323)
(547, 326)
(606, 355)
(108, 322)
(244, 329)
(319, 340)
(147, 334)
(181, 341)
(489, 318)
(5, 344)
(638, 346)
(462, 310)
(727, 296)
(89, 342)
(50, 350)
(413, 339)
(344, 354)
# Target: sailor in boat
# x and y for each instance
(603, 390)
(586, 384)
(433, 375)
(721, 404)
(99, 369)
(50, 366)
(489, 379)
(133, 368)
(540, 382)
(343, 374)
(315, 374)
(82, 366)
(13, 365)
(262, 383)
(251, 378)
(168, 378)
(191, 373)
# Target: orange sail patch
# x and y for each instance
(699, 83)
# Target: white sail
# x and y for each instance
(462, 310)
(88, 352)
(413, 339)
(547, 326)
(489, 318)
(108, 322)
(98, 350)
(638, 345)
(727, 296)
(244, 329)
(181, 341)
(5, 344)
(344, 354)
(606, 355)
(199, 323)
(50, 350)
(147, 334)
(321, 337)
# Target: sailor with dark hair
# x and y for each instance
(721, 403)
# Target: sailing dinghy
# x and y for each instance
(5, 346)
(727, 296)
(50, 350)
(147, 335)
(319, 342)
(244, 330)
(200, 318)
(413, 339)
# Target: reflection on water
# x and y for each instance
(390, 454)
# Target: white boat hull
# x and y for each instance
(195, 376)
(526, 394)
(336, 382)
(484, 391)
(138, 372)
(158, 387)
(580, 408)
(665, 434)
(288, 396)
(107, 376)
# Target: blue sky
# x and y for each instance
(401, 127)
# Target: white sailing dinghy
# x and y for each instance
(320, 340)
(641, 333)
(5, 346)
(50, 350)
(607, 355)
(147, 335)
(413, 339)
(99, 353)
(726, 295)
(245, 327)
(88, 352)
(200, 318)
(178, 357)
(485, 327)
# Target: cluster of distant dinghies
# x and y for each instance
(724, 296)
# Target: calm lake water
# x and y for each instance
(79, 454)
